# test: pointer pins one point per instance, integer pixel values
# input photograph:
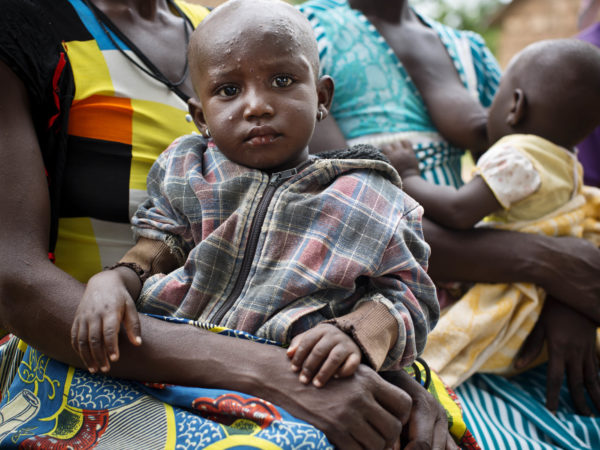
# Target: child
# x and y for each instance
(546, 104)
(323, 252)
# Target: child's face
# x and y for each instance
(259, 97)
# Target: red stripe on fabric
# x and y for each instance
(62, 62)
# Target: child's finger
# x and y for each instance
(110, 332)
(304, 347)
(291, 351)
(320, 353)
(349, 366)
(131, 321)
(96, 344)
(334, 361)
(83, 348)
(75, 335)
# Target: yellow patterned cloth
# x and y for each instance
(484, 330)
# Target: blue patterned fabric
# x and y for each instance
(52, 405)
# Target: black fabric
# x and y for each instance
(31, 47)
(97, 181)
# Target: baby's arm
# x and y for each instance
(109, 300)
(454, 208)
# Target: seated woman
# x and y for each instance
(91, 94)
(377, 102)
(528, 180)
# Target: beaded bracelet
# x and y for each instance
(141, 273)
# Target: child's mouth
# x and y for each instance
(262, 140)
(261, 135)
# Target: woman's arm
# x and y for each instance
(38, 303)
(566, 267)
(455, 113)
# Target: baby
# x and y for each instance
(244, 229)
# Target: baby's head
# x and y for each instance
(255, 69)
(550, 89)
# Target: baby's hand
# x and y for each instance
(95, 331)
(402, 157)
(325, 351)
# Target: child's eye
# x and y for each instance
(282, 81)
(228, 91)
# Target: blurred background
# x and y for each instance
(507, 26)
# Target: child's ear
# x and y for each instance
(195, 109)
(518, 108)
(325, 96)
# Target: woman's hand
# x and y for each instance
(106, 304)
(361, 411)
(428, 425)
(571, 341)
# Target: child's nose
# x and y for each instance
(257, 104)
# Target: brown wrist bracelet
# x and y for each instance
(141, 273)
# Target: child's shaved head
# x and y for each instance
(560, 82)
(254, 65)
(235, 22)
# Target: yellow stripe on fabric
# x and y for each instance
(66, 414)
(243, 441)
(77, 251)
(89, 69)
(22, 346)
(171, 440)
(155, 126)
(194, 12)
(456, 424)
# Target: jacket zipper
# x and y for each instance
(276, 180)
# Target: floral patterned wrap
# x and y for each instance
(53, 406)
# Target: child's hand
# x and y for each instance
(402, 157)
(325, 351)
(106, 304)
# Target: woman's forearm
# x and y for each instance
(567, 268)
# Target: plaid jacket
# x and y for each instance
(276, 254)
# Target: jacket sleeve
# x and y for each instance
(161, 217)
(152, 256)
(402, 285)
(373, 328)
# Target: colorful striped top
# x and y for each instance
(101, 123)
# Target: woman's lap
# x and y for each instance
(50, 403)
